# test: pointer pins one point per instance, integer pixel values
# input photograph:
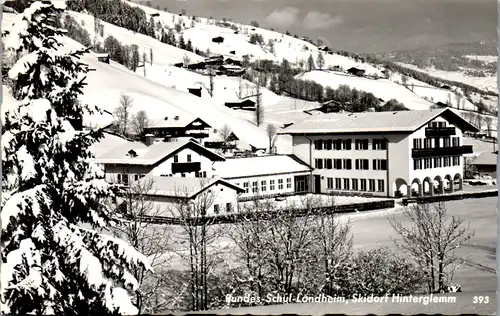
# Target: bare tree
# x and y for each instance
(431, 240)
(334, 243)
(271, 135)
(134, 208)
(198, 245)
(458, 99)
(224, 134)
(320, 60)
(140, 121)
(122, 114)
(211, 82)
(185, 60)
(144, 62)
(489, 122)
(404, 80)
(259, 109)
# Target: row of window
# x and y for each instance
(436, 124)
(346, 144)
(125, 177)
(437, 162)
(355, 184)
(263, 185)
(217, 208)
(419, 143)
(359, 164)
(176, 158)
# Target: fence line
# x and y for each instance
(267, 215)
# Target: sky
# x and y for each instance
(359, 25)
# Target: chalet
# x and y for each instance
(233, 61)
(331, 107)
(231, 70)
(486, 164)
(179, 127)
(195, 91)
(178, 65)
(441, 104)
(230, 144)
(356, 72)
(218, 39)
(246, 103)
(214, 61)
(102, 57)
(336, 68)
(197, 66)
(324, 48)
(266, 176)
(167, 194)
(134, 160)
(232, 52)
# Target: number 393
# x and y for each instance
(481, 300)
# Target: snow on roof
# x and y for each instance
(374, 122)
(149, 155)
(183, 187)
(232, 67)
(486, 158)
(260, 166)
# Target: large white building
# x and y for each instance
(383, 153)
(266, 176)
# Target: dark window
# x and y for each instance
(328, 164)
(371, 185)
(338, 184)
(329, 183)
(346, 184)
(319, 163)
(363, 184)
(380, 185)
(328, 144)
(354, 184)
(346, 144)
(347, 164)
(456, 141)
(229, 207)
(427, 143)
(447, 142)
(338, 144)
(361, 144)
(337, 164)
(417, 164)
(189, 158)
(136, 177)
(216, 208)
(176, 158)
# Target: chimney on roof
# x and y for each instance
(176, 117)
(166, 118)
(149, 139)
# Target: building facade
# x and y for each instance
(133, 160)
(386, 154)
(266, 176)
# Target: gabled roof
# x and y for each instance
(485, 159)
(260, 166)
(176, 122)
(153, 154)
(184, 187)
(374, 122)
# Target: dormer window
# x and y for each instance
(131, 153)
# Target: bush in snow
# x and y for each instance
(51, 187)
(377, 272)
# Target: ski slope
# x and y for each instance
(109, 81)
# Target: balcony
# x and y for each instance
(185, 167)
(439, 131)
(441, 151)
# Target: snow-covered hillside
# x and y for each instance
(488, 83)
(108, 81)
(201, 31)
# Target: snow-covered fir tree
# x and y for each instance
(51, 189)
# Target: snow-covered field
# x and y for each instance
(484, 58)
(485, 83)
